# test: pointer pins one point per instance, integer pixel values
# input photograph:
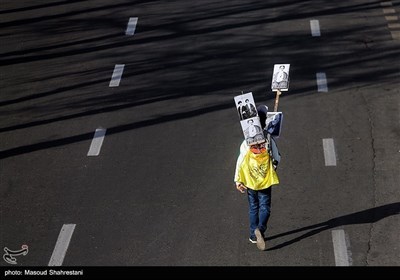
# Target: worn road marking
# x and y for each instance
(314, 25)
(391, 18)
(329, 152)
(62, 244)
(395, 35)
(389, 11)
(97, 141)
(117, 75)
(386, 4)
(321, 82)
(340, 248)
(394, 25)
(130, 29)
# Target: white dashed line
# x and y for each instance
(386, 4)
(314, 25)
(321, 82)
(395, 35)
(391, 18)
(339, 248)
(394, 25)
(62, 244)
(117, 75)
(130, 29)
(329, 152)
(389, 11)
(97, 141)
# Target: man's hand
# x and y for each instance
(240, 187)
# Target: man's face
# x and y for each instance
(258, 148)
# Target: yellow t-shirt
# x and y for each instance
(255, 171)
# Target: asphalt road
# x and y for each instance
(160, 192)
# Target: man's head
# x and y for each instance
(282, 67)
(262, 111)
(258, 148)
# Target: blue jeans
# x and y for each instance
(259, 209)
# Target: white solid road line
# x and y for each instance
(340, 249)
(62, 244)
(117, 75)
(130, 29)
(329, 152)
(97, 141)
(321, 82)
(315, 31)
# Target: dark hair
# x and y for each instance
(262, 113)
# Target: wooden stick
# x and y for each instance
(278, 92)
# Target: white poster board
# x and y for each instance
(246, 106)
(280, 77)
(252, 131)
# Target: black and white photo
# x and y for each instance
(252, 131)
(280, 77)
(246, 106)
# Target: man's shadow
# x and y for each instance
(367, 216)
